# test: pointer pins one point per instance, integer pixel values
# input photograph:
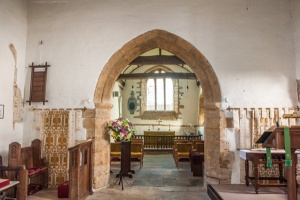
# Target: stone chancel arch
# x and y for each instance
(217, 160)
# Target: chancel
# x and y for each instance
(198, 82)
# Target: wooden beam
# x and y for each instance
(156, 60)
(157, 75)
(121, 84)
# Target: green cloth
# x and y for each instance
(269, 157)
(287, 144)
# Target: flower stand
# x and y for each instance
(126, 159)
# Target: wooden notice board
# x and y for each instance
(38, 83)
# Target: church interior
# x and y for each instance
(209, 91)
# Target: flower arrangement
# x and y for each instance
(121, 129)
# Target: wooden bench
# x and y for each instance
(4, 175)
(115, 152)
(182, 152)
(16, 174)
(30, 157)
(137, 153)
(80, 171)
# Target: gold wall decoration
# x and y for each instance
(250, 123)
(56, 130)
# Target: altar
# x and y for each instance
(159, 133)
(159, 139)
(261, 175)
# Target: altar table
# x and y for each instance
(258, 157)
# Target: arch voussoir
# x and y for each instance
(205, 74)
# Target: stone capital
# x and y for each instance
(212, 106)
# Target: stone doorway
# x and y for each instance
(217, 160)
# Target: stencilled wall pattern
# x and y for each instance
(250, 123)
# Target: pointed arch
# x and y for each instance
(218, 159)
(169, 42)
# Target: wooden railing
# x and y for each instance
(163, 142)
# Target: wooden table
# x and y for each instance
(12, 184)
(277, 140)
(257, 158)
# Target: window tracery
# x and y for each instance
(160, 96)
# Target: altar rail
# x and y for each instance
(163, 142)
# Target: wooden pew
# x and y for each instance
(182, 152)
(3, 174)
(176, 141)
(16, 174)
(115, 151)
(80, 171)
(30, 158)
(137, 153)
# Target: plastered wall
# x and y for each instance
(253, 48)
(295, 7)
(13, 23)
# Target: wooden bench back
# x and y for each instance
(199, 147)
(184, 147)
(36, 148)
(14, 154)
(136, 147)
(179, 141)
(134, 140)
(115, 147)
(196, 141)
(27, 156)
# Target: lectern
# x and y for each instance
(278, 140)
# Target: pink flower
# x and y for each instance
(123, 130)
(115, 124)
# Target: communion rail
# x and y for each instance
(163, 142)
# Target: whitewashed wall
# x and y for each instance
(296, 25)
(251, 50)
(13, 23)
(189, 99)
(115, 111)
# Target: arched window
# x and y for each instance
(160, 94)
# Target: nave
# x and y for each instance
(157, 179)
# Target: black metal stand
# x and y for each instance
(125, 164)
(120, 178)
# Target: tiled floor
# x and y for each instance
(158, 179)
